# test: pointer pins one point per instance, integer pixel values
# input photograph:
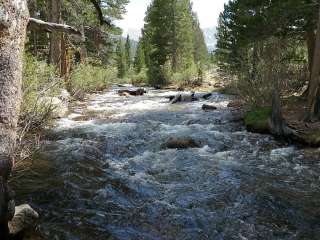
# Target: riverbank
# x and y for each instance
(303, 133)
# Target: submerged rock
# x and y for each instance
(180, 143)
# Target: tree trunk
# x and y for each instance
(13, 22)
(314, 80)
(254, 61)
(34, 34)
(64, 56)
(311, 41)
(55, 37)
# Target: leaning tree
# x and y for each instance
(14, 17)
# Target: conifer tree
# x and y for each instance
(139, 59)
(170, 41)
(121, 60)
(128, 52)
(201, 55)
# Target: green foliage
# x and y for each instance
(262, 43)
(88, 78)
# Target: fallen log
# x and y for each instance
(187, 98)
(184, 98)
(206, 107)
(138, 92)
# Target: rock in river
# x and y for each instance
(180, 143)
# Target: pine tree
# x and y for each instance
(169, 37)
(121, 60)
(201, 55)
(157, 35)
(183, 35)
(139, 60)
(128, 52)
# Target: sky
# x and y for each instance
(207, 10)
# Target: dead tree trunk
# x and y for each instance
(310, 39)
(55, 38)
(277, 124)
(83, 48)
(14, 17)
(314, 80)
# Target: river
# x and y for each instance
(103, 173)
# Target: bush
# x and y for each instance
(86, 78)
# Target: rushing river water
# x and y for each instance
(103, 174)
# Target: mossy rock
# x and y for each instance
(256, 120)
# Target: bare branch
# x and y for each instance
(52, 27)
(103, 20)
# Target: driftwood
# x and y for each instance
(138, 92)
(187, 98)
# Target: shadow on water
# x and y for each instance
(102, 174)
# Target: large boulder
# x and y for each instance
(24, 218)
(58, 106)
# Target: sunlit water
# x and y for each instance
(103, 174)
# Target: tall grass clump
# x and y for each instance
(86, 78)
(40, 81)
